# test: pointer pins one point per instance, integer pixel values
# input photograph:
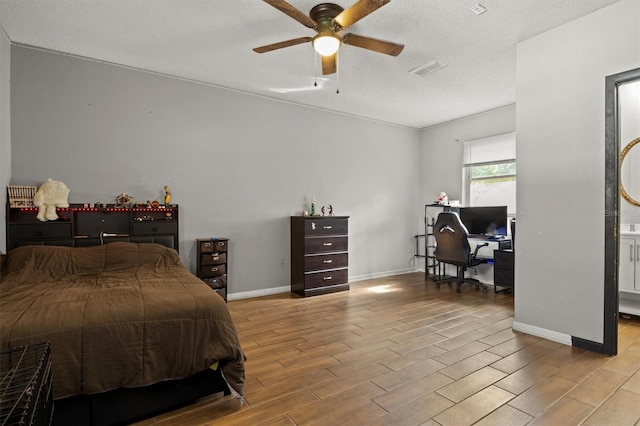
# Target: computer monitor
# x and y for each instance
(490, 220)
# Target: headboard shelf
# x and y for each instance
(81, 225)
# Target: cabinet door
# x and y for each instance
(628, 257)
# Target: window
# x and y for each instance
(489, 172)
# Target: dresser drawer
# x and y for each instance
(212, 270)
(326, 278)
(213, 246)
(40, 230)
(325, 227)
(326, 261)
(213, 258)
(325, 244)
(154, 227)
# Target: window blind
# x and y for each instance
(491, 149)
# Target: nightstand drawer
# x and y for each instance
(213, 259)
(326, 227)
(213, 270)
(326, 261)
(325, 244)
(326, 278)
(213, 246)
(154, 227)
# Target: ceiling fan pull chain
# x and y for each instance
(337, 74)
(315, 68)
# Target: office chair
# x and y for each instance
(452, 246)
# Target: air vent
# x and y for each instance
(478, 9)
(427, 68)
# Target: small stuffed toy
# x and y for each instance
(443, 200)
(50, 195)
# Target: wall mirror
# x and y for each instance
(630, 172)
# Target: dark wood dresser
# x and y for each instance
(212, 263)
(319, 254)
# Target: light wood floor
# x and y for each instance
(397, 351)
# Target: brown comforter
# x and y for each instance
(118, 315)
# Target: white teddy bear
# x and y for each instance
(50, 195)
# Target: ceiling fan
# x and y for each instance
(329, 21)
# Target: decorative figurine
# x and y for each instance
(330, 210)
(313, 205)
(167, 195)
(322, 210)
(443, 200)
(124, 200)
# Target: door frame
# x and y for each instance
(612, 207)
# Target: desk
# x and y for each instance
(487, 252)
(484, 272)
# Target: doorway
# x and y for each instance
(613, 146)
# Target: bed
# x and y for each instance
(122, 319)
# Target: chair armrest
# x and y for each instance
(478, 247)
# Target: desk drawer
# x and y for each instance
(503, 277)
(503, 259)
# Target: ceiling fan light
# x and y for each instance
(326, 45)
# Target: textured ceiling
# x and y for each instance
(211, 41)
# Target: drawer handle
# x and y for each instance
(216, 257)
(327, 227)
(221, 244)
(206, 245)
(630, 252)
(327, 244)
(328, 261)
(214, 269)
(327, 278)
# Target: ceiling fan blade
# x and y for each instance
(329, 64)
(281, 44)
(356, 12)
(296, 14)
(369, 43)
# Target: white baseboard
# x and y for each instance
(554, 336)
(257, 293)
(356, 278)
(287, 289)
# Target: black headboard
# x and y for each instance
(81, 225)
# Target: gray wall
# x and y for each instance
(560, 123)
(238, 165)
(5, 130)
